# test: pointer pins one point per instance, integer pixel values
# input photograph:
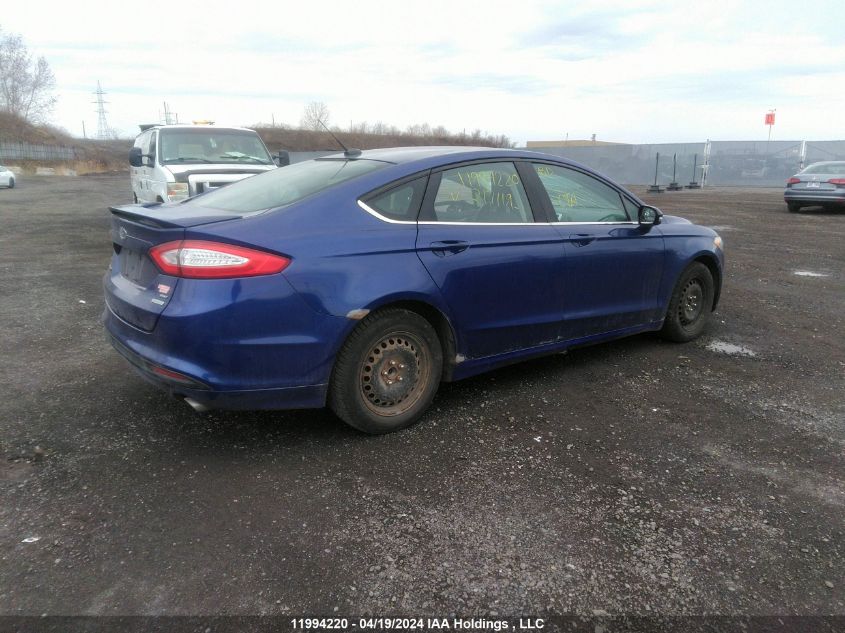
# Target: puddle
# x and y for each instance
(730, 348)
(810, 273)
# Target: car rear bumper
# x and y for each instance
(814, 197)
(301, 397)
(271, 352)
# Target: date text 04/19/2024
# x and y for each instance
(417, 624)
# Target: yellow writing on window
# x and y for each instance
(480, 178)
(567, 199)
(500, 199)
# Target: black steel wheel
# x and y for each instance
(387, 372)
(691, 304)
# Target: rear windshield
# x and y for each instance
(836, 169)
(286, 185)
(212, 145)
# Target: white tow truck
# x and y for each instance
(175, 162)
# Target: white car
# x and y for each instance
(7, 178)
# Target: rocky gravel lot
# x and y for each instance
(635, 477)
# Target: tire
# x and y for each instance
(793, 207)
(387, 372)
(691, 304)
(11, 183)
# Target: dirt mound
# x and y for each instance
(89, 155)
(308, 140)
(15, 128)
(103, 156)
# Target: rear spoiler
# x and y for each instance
(171, 216)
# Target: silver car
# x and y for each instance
(7, 178)
(818, 184)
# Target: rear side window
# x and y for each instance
(482, 193)
(577, 197)
(400, 203)
(836, 169)
(285, 185)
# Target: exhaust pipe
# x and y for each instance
(197, 406)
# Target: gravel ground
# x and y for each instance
(635, 477)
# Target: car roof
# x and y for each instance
(450, 154)
(827, 162)
(179, 126)
(410, 154)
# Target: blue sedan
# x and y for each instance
(363, 280)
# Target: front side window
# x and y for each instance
(285, 185)
(577, 197)
(151, 149)
(142, 141)
(484, 193)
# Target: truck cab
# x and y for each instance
(174, 162)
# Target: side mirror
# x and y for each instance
(136, 158)
(282, 159)
(649, 216)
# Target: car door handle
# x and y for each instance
(448, 247)
(582, 239)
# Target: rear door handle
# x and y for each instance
(448, 247)
(582, 239)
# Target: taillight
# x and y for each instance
(793, 180)
(837, 181)
(198, 259)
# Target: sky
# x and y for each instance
(626, 71)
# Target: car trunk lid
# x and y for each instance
(814, 182)
(173, 214)
(136, 290)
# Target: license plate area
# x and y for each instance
(813, 184)
(132, 265)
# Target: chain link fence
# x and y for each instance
(717, 163)
(824, 150)
(635, 164)
(17, 150)
(726, 163)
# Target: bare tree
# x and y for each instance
(26, 84)
(315, 113)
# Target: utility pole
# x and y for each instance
(84, 135)
(102, 126)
